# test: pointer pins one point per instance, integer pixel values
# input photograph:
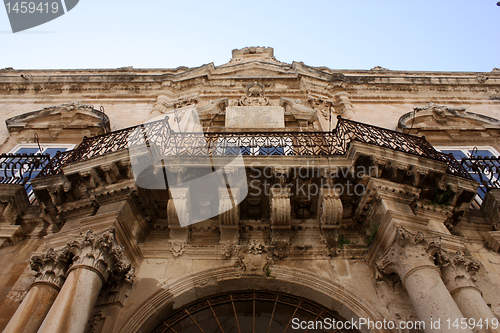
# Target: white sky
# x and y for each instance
(434, 35)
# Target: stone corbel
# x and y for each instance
(330, 209)
(280, 206)
(280, 220)
(111, 172)
(178, 205)
(229, 215)
(93, 178)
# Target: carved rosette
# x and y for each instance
(101, 254)
(280, 206)
(457, 270)
(409, 252)
(330, 207)
(51, 267)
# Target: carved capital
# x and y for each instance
(51, 266)
(457, 270)
(330, 207)
(408, 253)
(101, 254)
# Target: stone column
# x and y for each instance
(50, 274)
(97, 259)
(457, 271)
(411, 257)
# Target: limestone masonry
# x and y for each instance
(323, 195)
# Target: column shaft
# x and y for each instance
(432, 301)
(73, 307)
(471, 303)
(33, 309)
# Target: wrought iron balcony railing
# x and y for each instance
(21, 168)
(485, 170)
(169, 142)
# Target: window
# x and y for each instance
(465, 152)
(24, 163)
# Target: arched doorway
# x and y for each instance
(251, 312)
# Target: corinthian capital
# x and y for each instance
(408, 252)
(51, 266)
(102, 254)
(457, 270)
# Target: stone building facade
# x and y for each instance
(324, 194)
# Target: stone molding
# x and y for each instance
(101, 254)
(408, 253)
(51, 267)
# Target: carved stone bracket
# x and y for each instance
(101, 254)
(178, 205)
(280, 206)
(229, 213)
(330, 208)
(51, 266)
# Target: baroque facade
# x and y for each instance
(254, 196)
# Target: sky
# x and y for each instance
(421, 35)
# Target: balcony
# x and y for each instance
(174, 143)
(21, 168)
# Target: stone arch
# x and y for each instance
(188, 289)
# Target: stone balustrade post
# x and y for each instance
(97, 259)
(411, 257)
(50, 269)
(457, 271)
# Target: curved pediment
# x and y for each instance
(65, 116)
(441, 117)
